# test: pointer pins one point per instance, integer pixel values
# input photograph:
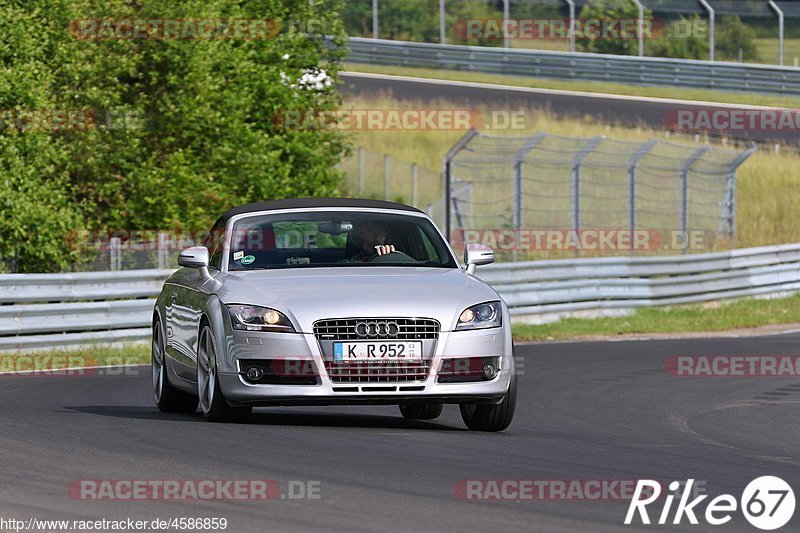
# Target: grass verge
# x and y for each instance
(706, 95)
(129, 354)
(712, 317)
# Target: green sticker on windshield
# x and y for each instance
(246, 260)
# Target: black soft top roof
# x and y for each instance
(300, 203)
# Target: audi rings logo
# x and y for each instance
(377, 329)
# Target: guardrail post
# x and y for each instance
(115, 253)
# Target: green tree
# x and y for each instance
(37, 215)
(683, 38)
(620, 10)
(205, 133)
(734, 35)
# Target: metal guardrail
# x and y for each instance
(66, 310)
(579, 66)
(542, 291)
(69, 310)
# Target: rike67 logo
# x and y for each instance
(767, 503)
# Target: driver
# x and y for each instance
(370, 240)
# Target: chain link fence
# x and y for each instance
(548, 195)
(527, 197)
(370, 174)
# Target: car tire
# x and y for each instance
(497, 417)
(212, 402)
(167, 398)
(421, 411)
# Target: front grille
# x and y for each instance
(376, 328)
(377, 372)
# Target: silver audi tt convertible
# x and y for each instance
(332, 301)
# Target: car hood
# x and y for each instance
(310, 294)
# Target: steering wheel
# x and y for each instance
(392, 257)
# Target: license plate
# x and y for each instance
(383, 351)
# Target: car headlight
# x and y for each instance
(253, 318)
(485, 315)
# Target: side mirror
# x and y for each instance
(477, 254)
(194, 257)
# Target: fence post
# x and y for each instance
(519, 158)
(386, 170)
(414, 183)
(506, 16)
(711, 37)
(442, 31)
(115, 253)
(361, 171)
(576, 182)
(633, 163)
(640, 26)
(777, 10)
(446, 171)
(374, 19)
(728, 215)
(163, 249)
(571, 33)
(685, 191)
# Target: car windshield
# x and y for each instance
(325, 239)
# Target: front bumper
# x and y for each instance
(303, 347)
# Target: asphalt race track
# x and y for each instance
(586, 411)
(624, 110)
